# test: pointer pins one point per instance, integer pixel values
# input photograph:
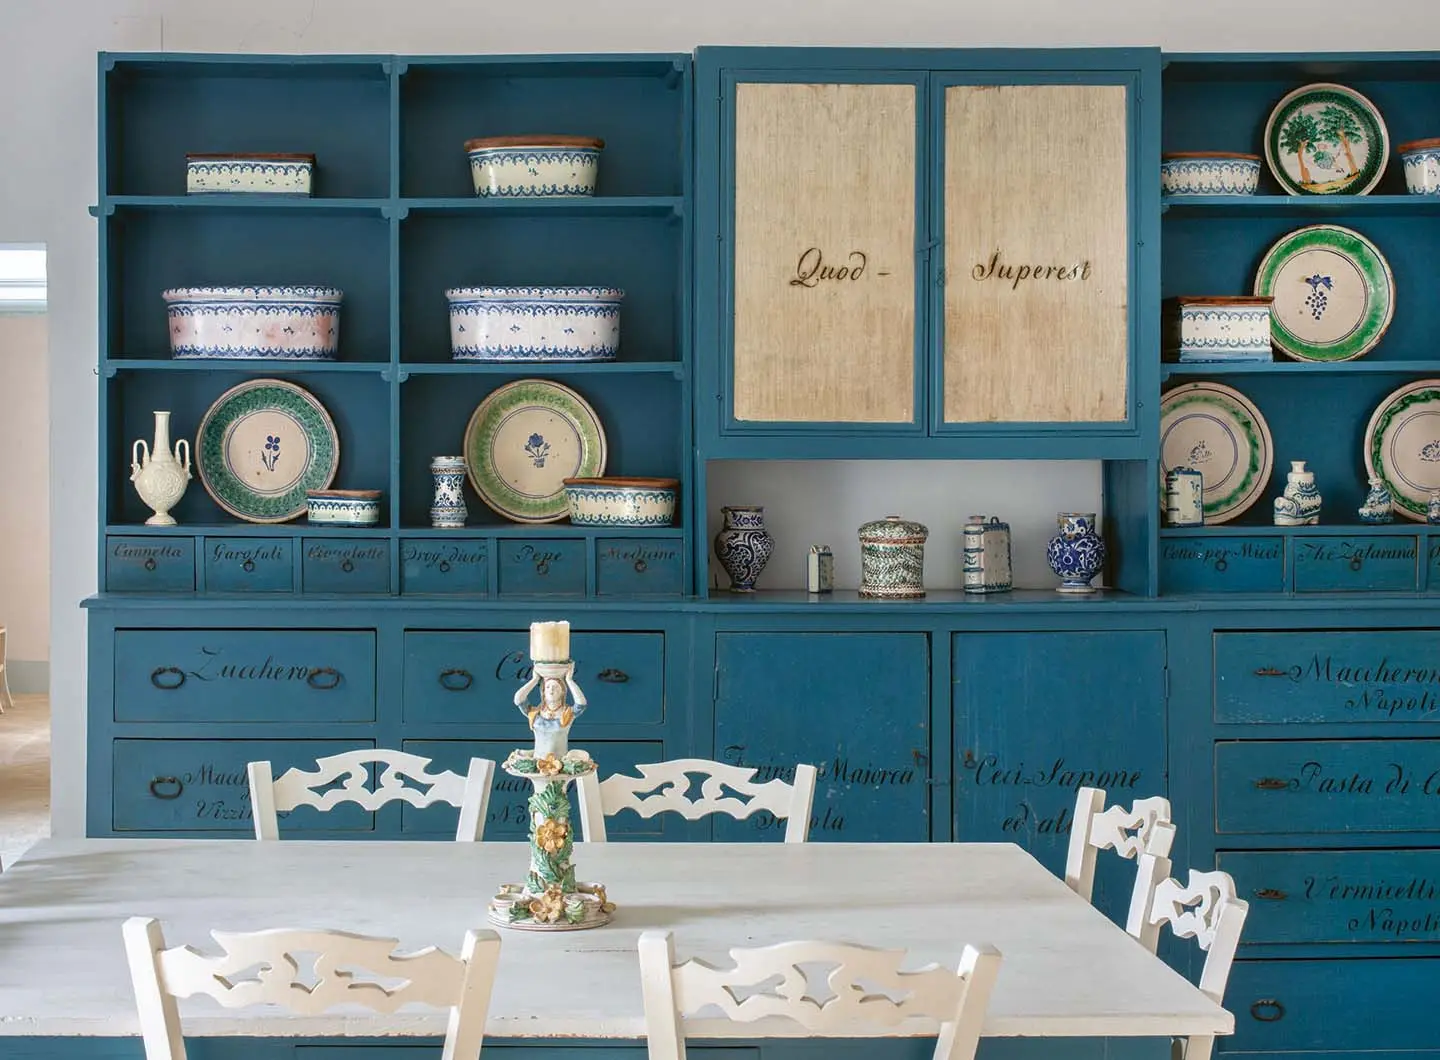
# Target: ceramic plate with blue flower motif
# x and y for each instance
(1219, 432)
(1402, 445)
(524, 440)
(262, 446)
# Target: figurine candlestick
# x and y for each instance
(551, 899)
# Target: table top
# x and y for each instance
(1066, 971)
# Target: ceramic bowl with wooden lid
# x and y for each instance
(536, 166)
(1209, 173)
(621, 501)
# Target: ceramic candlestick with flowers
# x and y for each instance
(550, 899)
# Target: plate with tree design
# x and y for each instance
(1326, 139)
(1333, 291)
(1402, 445)
(524, 440)
(262, 445)
(1220, 433)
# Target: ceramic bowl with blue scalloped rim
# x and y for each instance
(1421, 159)
(249, 174)
(1209, 173)
(621, 501)
(534, 166)
(254, 323)
(343, 507)
(534, 323)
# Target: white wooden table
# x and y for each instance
(1067, 970)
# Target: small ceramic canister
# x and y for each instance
(447, 507)
(892, 558)
(820, 569)
(987, 555)
(1422, 166)
(1184, 497)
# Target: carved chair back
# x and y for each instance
(263, 968)
(864, 993)
(665, 787)
(1127, 830)
(404, 778)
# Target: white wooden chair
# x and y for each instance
(864, 994)
(725, 789)
(1127, 830)
(6, 701)
(1206, 909)
(260, 968)
(297, 787)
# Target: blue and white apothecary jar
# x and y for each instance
(1077, 553)
(743, 546)
(986, 567)
(1184, 497)
(447, 507)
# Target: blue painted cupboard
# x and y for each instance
(1280, 685)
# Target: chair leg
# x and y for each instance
(6, 701)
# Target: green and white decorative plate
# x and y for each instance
(524, 441)
(262, 445)
(1218, 432)
(1334, 293)
(1326, 139)
(1402, 445)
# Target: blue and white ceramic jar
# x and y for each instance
(1209, 173)
(447, 505)
(1077, 553)
(1300, 503)
(1432, 508)
(892, 558)
(743, 546)
(986, 567)
(1379, 506)
(534, 323)
(1421, 159)
(534, 166)
(1184, 497)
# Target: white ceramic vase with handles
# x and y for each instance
(160, 474)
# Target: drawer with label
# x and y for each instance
(639, 566)
(1328, 676)
(249, 564)
(240, 675)
(541, 567)
(1208, 564)
(150, 564)
(1371, 563)
(346, 565)
(444, 565)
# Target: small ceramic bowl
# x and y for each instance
(1209, 173)
(344, 507)
(245, 174)
(534, 166)
(1422, 166)
(534, 323)
(621, 501)
(254, 323)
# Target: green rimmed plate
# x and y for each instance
(262, 445)
(1326, 139)
(1220, 433)
(1402, 445)
(1333, 290)
(524, 440)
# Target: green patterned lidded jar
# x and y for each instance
(892, 558)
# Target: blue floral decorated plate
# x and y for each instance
(524, 440)
(262, 446)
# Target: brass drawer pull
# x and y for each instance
(150, 563)
(347, 564)
(1269, 671)
(444, 566)
(456, 680)
(248, 566)
(1270, 894)
(167, 678)
(166, 782)
(323, 678)
(641, 566)
(613, 677)
(1272, 784)
(1356, 562)
(1272, 1010)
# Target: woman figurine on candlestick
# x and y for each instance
(551, 720)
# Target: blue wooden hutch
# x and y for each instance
(1281, 685)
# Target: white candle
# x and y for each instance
(549, 641)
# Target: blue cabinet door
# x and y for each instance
(854, 705)
(1039, 715)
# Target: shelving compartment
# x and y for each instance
(152, 251)
(357, 403)
(638, 106)
(643, 256)
(158, 110)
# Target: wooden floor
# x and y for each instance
(24, 775)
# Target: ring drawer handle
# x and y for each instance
(613, 677)
(444, 566)
(150, 563)
(166, 782)
(167, 678)
(1272, 1010)
(1272, 784)
(1356, 562)
(248, 566)
(1222, 565)
(456, 680)
(1270, 894)
(347, 564)
(324, 678)
(641, 566)
(1269, 671)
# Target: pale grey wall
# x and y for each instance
(47, 142)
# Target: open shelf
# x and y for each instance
(298, 527)
(675, 369)
(561, 529)
(1399, 528)
(260, 366)
(220, 202)
(1361, 366)
(579, 206)
(1320, 207)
